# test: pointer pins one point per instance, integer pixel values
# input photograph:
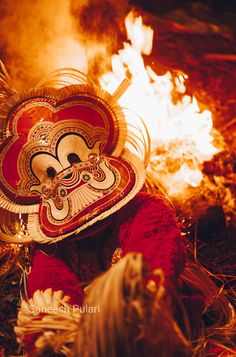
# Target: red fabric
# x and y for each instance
(147, 225)
(50, 272)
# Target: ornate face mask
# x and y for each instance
(63, 160)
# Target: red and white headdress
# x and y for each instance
(64, 160)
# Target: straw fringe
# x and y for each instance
(48, 313)
(135, 314)
(13, 207)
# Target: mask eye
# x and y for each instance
(51, 172)
(73, 158)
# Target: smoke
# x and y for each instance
(40, 36)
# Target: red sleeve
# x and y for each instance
(148, 225)
(50, 272)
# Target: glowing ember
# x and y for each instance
(180, 132)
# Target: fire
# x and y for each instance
(181, 134)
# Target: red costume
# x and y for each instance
(146, 225)
(67, 169)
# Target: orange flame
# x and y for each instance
(181, 134)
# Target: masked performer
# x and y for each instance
(72, 173)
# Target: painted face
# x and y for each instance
(61, 163)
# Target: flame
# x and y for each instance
(181, 133)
